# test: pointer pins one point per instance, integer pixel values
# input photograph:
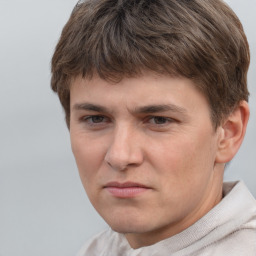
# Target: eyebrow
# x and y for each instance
(90, 107)
(138, 110)
(160, 108)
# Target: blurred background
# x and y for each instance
(43, 208)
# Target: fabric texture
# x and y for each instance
(228, 229)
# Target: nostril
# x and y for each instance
(124, 150)
(117, 161)
(117, 167)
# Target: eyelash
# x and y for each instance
(151, 120)
(89, 119)
(167, 120)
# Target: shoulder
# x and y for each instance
(240, 222)
(92, 245)
(104, 242)
(241, 242)
(235, 230)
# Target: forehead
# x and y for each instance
(147, 89)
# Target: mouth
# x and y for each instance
(126, 190)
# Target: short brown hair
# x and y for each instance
(202, 40)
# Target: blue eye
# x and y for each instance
(159, 120)
(97, 119)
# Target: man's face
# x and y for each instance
(145, 149)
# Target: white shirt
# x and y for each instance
(229, 229)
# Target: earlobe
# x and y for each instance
(231, 133)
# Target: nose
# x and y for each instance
(125, 149)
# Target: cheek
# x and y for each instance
(183, 172)
(172, 154)
(89, 157)
(182, 162)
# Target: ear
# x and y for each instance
(231, 133)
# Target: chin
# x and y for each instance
(129, 226)
(128, 229)
(128, 219)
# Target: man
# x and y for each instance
(155, 96)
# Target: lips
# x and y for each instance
(125, 190)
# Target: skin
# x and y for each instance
(154, 130)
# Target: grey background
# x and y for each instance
(43, 208)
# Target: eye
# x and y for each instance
(160, 120)
(95, 120)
